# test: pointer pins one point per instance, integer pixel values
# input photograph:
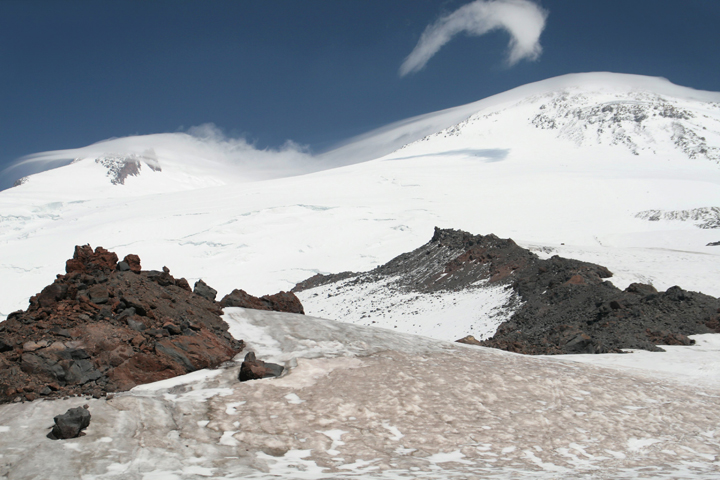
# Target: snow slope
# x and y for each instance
(360, 402)
(495, 166)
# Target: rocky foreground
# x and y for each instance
(107, 326)
(561, 305)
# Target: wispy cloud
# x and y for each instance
(523, 20)
(204, 146)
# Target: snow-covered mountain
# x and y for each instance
(563, 166)
(618, 170)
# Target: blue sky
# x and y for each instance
(313, 71)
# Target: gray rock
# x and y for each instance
(175, 355)
(136, 325)
(82, 371)
(70, 424)
(36, 364)
(204, 290)
(98, 294)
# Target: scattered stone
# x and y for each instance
(70, 424)
(280, 302)
(202, 289)
(253, 369)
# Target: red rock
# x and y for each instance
(133, 262)
(76, 347)
(280, 302)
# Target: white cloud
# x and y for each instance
(523, 20)
(203, 145)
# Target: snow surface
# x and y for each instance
(361, 402)
(476, 311)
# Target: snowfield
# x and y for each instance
(361, 402)
(476, 311)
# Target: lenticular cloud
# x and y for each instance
(523, 20)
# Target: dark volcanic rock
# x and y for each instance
(280, 302)
(561, 305)
(253, 369)
(70, 424)
(100, 328)
(202, 289)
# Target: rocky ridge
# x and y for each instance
(106, 326)
(119, 167)
(564, 305)
(705, 218)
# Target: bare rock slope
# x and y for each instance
(107, 326)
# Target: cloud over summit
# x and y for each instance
(522, 19)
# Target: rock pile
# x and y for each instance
(106, 326)
(562, 305)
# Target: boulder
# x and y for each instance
(253, 369)
(279, 302)
(204, 290)
(133, 263)
(70, 424)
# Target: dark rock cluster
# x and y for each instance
(106, 326)
(280, 302)
(568, 306)
(561, 305)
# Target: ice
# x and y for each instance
(455, 456)
(293, 398)
(394, 430)
(335, 436)
(232, 408)
(389, 406)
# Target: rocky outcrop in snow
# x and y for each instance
(558, 305)
(107, 326)
(120, 167)
(706, 218)
(279, 302)
(637, 120)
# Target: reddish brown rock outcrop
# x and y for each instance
(280, 302)
(106, 326)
